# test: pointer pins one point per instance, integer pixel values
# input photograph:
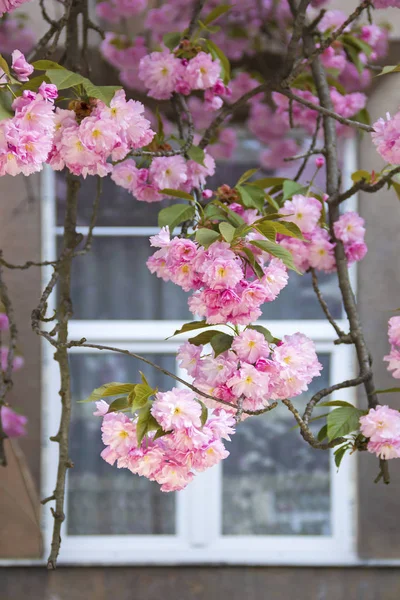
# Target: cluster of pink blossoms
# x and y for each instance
(169, 172)
(170, 460)
(107, 132)
(26, 138)
(252, 370)
(394, 339)
(14, 31)
(386, 137)
(7, 6)
(382, 426)
(116, 10)
(317, 251)
(163, 73)
(225, 286)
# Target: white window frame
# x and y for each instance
(198, 536)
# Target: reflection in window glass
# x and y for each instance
(112, 281)
(102, 499)
(273, 482)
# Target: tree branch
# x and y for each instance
(363, 186)
(333, 186)
(83, 344)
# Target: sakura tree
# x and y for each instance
(199, 66)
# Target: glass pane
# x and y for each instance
(298, 300)
(113, 282)
(117, 208)
(102, 499)
(273, 482)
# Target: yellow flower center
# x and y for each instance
(123, 434)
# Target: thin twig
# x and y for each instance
(327, 112)
(363, 186)
(324, 305)
(83, 344)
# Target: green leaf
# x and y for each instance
(171, 40)
(396, 187)
(252, 197)
(146, 422)
(33, 83)
(143, 378)
(119, 404)
(5, 108)
(232, 216)
(343, 421)
(290, 188)
(267, 229)
(288, 228)
(268, 182)
(322, 433)
(197, 154)
(265, 332)
(246, 175)
(44, 65)
(257, 196)
(174, 215)
(353, 54)
(392, 390)
(227, 231)
(189, 327)
(64, 79)
(206, 237)
(252, 260)
(361, 174)
(142, 394)
(339, 454)
(221, 343)
(177, 194)
(335, 403)
(362, 117)
(356, 43)
(277, 251)
(216, 13)
(105, 93)
(4, 65)
(109, 389)
(217, 53)
(160, 433)
(204, 338)
(204, 412)
(390, 69)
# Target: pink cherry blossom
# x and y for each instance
(168, 172)
(250, 345)
(14, 425)
(304, 211)
(350, 228)
(394, 331)
(176, 409)
(160, 72)
(20, 66)
(380, 424)
(202, 72)
(393, 358)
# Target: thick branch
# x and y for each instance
(333, 186)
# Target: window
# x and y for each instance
(273, 501)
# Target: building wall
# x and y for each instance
(199, 583)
